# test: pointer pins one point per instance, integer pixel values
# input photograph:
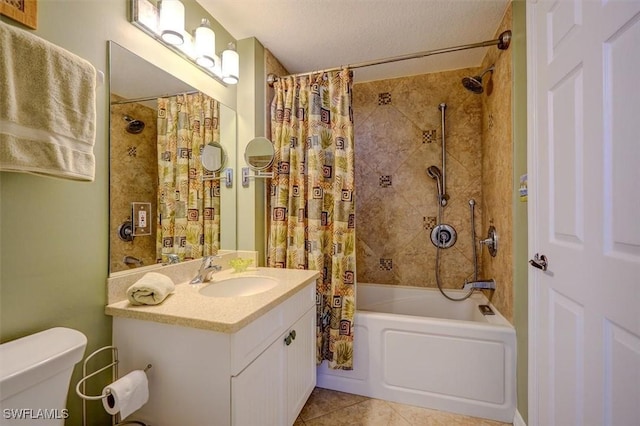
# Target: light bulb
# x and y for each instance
(205, 45)
(230, 65)
(172, 21)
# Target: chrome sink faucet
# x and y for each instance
(206, 270)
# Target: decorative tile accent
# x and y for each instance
(386, 264)
(385, 181)
(430, 222)
(132, 151)
(428, 136)
(384, 98)
(490, 121)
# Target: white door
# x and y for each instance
(584, 212)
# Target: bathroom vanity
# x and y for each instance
(243, 360)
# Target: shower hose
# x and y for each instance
(475, 259)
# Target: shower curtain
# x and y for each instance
(312, 200)
(188, 221)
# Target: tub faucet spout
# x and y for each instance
(206, 270)
(489, 284)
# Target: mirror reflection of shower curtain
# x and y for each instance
(188, 208)
(312, 200)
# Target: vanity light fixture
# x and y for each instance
(230, 65)
(205, 41)
(171, 23)
(166, 24)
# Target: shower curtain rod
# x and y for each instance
(502, 42)
(151, 98)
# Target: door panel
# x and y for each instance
(584, 210)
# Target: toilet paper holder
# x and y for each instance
(114, 375)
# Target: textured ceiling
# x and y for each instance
(308, 35)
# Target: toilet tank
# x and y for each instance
(35, 372)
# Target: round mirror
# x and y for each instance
(213, 157)
(259, 153)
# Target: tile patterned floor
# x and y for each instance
(331, 408)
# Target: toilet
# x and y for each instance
(35, 372)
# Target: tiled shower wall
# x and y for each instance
(398, 136)
(497, 171)
(133, 178)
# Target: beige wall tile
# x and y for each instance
(497, 172)
(398, 136)
(134, 178)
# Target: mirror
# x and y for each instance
(135, 86)
(213, 157)
(259, 154)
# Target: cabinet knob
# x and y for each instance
(290, 337)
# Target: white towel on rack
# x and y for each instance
(127, 394)
(47, 108)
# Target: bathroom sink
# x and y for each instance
(239, 286)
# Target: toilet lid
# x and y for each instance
(29, 360)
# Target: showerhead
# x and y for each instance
(134, 126)
(474, 84)
(435, 173)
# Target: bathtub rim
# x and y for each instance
(479, 298)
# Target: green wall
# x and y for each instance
(520, 265)
(251, 123)
(53, 232)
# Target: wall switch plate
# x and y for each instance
(141, 218)
(245, 177)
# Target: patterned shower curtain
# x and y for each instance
(312, 200)
(188, 222)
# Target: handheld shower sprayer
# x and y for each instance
(434, 173)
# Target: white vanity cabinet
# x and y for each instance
(275, 386)
(247, 378)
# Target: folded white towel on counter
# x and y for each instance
(151, 289)
(47, 108)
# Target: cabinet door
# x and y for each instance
(300, 357)
(257, 393)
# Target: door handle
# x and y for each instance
(539, 261)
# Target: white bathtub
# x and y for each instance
(415, 347)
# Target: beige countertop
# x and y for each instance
(187, 307)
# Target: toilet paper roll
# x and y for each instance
(126, 394)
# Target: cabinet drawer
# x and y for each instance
(253, 339)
